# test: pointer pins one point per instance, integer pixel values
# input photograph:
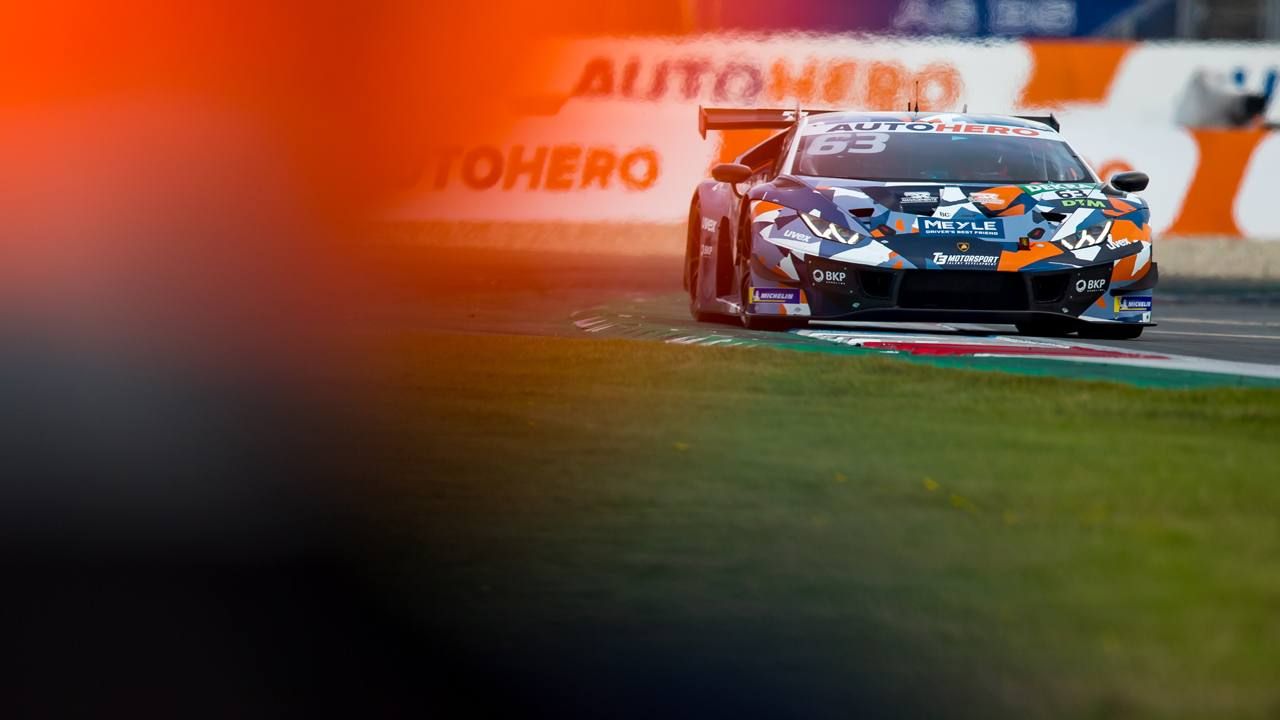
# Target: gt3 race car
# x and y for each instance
(917, 217)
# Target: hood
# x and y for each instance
(973, 225)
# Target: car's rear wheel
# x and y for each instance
(1044, 327)
(1111, 332)
(693, 264)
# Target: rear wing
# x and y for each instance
(749, 118)
(1049, 120)
(781, 118)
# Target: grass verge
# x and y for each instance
(625, 525)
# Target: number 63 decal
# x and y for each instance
(836, 143)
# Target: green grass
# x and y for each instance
(827, 533)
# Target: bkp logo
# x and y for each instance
(829, 276)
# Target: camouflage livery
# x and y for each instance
(779, 249)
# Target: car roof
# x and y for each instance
(966, 118)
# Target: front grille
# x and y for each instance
(876, 284)
(1049, 288)
(962, 290)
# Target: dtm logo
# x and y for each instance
(829, 276)
(975, 228)
(1086, 286)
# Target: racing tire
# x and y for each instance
(771, 323)
(1111, 332)
(697, 314)
(1044, 328)
(691, 264)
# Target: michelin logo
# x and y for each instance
(1126, 303)
(972, 228)
(775, 295)
(979, 261)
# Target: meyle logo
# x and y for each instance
(1135, 302)
(775, 295)
(975, 228)
(966, 260)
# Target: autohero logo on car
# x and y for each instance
(775, 295)
(829, 276)
(973, 228)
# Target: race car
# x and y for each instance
(965, 218)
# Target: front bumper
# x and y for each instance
(840, 291)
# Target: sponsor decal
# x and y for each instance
(797, 235)
(926, 127)
(775, 295)
(1084, 285)
(919, 197)
(1037, 188)
(1084, 203)
(1125, 303)
(706, 250)
(829, 276)
(986, 198)
(976, 228)
(541, 167)
(979, 261)
(708, 224)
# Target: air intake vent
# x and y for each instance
(1049, 288)
(876, 284)
(962, 290)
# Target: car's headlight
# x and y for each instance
(829, 230)
(1087, 237)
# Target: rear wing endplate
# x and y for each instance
(1049, 120)
(749, 118)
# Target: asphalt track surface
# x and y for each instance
(524, 292)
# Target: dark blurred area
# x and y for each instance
(190, 515)
(188, 519)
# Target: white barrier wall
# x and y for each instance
(622, 142)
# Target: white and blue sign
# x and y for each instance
(1134, 302)
(775, 295)
(962, 228)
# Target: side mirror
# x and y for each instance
(1130, 181)
(731, 172)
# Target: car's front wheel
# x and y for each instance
(1111, 332)
(1044, 327)
(773, 323)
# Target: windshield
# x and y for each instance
(937, 157)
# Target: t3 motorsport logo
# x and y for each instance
(965, 260)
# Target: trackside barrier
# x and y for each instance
(623, 143)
